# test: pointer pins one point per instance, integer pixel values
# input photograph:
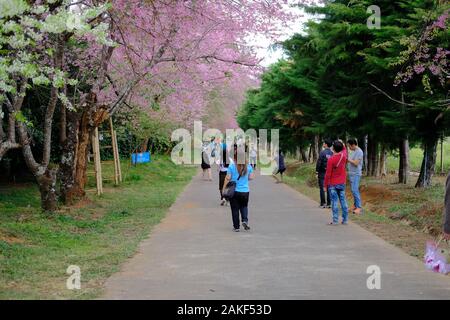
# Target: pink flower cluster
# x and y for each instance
(435, 260)
(423, 60)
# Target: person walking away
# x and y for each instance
(206, 167)
(355, 164)
(212, 149)
(279, 159)
(321, 169)
(447, 209)
(253, 156)
(335, 179)
(241, 174)
(223, 170)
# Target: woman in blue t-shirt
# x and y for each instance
(241, 174)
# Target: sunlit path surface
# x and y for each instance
(290, 253)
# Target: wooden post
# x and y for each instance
(97, 162)
(116, 163)
(119, 167)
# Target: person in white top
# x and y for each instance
(223, 169)
(206, 164)
(253, 155)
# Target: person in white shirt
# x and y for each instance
(253, 155)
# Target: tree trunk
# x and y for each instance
(90, 119)
(403, 168)
(316, 148)
(404, 165)
(442, 154)
(304, 155)
(67, 166)
(144, 145)
(8, 140)
(362, 142)
(366, 154)
(382, 172)
(81, 154)
(428, 163)
(310, 152)
(373, 159)
(63, 125)
(47, 188)
(45, 177)
(2, 132)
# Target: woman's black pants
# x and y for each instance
(239, 204)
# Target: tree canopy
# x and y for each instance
(344, 78)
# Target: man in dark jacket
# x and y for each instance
(321, 169)
(280, 164)
(447, 209)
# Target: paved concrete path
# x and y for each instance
(290, 253)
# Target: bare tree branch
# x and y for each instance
(393, 99)
(441, 115)
(5, 146)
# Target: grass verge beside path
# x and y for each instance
(400, 214)
(97, 234)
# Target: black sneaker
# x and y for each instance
(236, 230)
(245, 225)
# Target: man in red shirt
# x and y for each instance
(335, 180)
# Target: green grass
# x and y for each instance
(303, 179)
(416, 157)
(37, 248)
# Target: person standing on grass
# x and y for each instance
(321, 168)
(355, 164)
(240, 173)
(335, 179)
(279, 159)
(223, 170)
(447, 209)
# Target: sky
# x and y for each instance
(263, 44)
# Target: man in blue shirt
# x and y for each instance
(355, 164)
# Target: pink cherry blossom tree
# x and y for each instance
(169, 53)
(97, 56)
